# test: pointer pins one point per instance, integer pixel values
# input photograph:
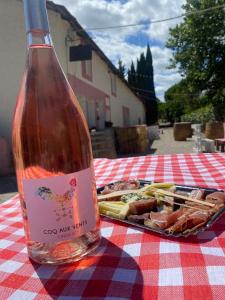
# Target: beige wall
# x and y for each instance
(12, 62)
(13, 55)
(124, 96)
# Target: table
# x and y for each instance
(220, 144)
(130, 263)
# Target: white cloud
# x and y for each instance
(164, 81)
(161, 58)
(167, 79)
(113, 42)
(118, 48)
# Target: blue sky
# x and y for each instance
(142, 39)
(128, 43)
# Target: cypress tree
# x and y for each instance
(151, 100)
(121, 68)
(141, 72)
(143, 80)
(149, 72)
(132, 75)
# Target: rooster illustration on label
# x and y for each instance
(64, 200)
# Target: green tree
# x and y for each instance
(121, 68)
(132, 75)
(171, 111)
(198, 46)
(141, 72)
(151, 100)
(143, 82)
(180, 92)
(149, 72)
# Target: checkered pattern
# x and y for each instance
(130, 263)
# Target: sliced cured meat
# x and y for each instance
(163, 219)
(142, 206)
(190, 220)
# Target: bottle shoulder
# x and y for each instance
(45, 89)
(46, 102)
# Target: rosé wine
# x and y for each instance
(53, 156)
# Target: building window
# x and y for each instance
(126, 116)
(87, 69)
(113, 84)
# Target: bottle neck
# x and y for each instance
(36, 21)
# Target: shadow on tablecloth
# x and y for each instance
(108, 273)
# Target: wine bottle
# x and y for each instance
(52, 153)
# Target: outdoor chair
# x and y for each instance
(220, 143)
(208, 145)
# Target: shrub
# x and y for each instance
(201, 115)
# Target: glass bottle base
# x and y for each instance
(65, 252)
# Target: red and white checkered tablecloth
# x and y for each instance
(130, 263)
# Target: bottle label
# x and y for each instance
(60, 207)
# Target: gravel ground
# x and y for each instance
(166, 145)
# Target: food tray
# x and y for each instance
(184, 188)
